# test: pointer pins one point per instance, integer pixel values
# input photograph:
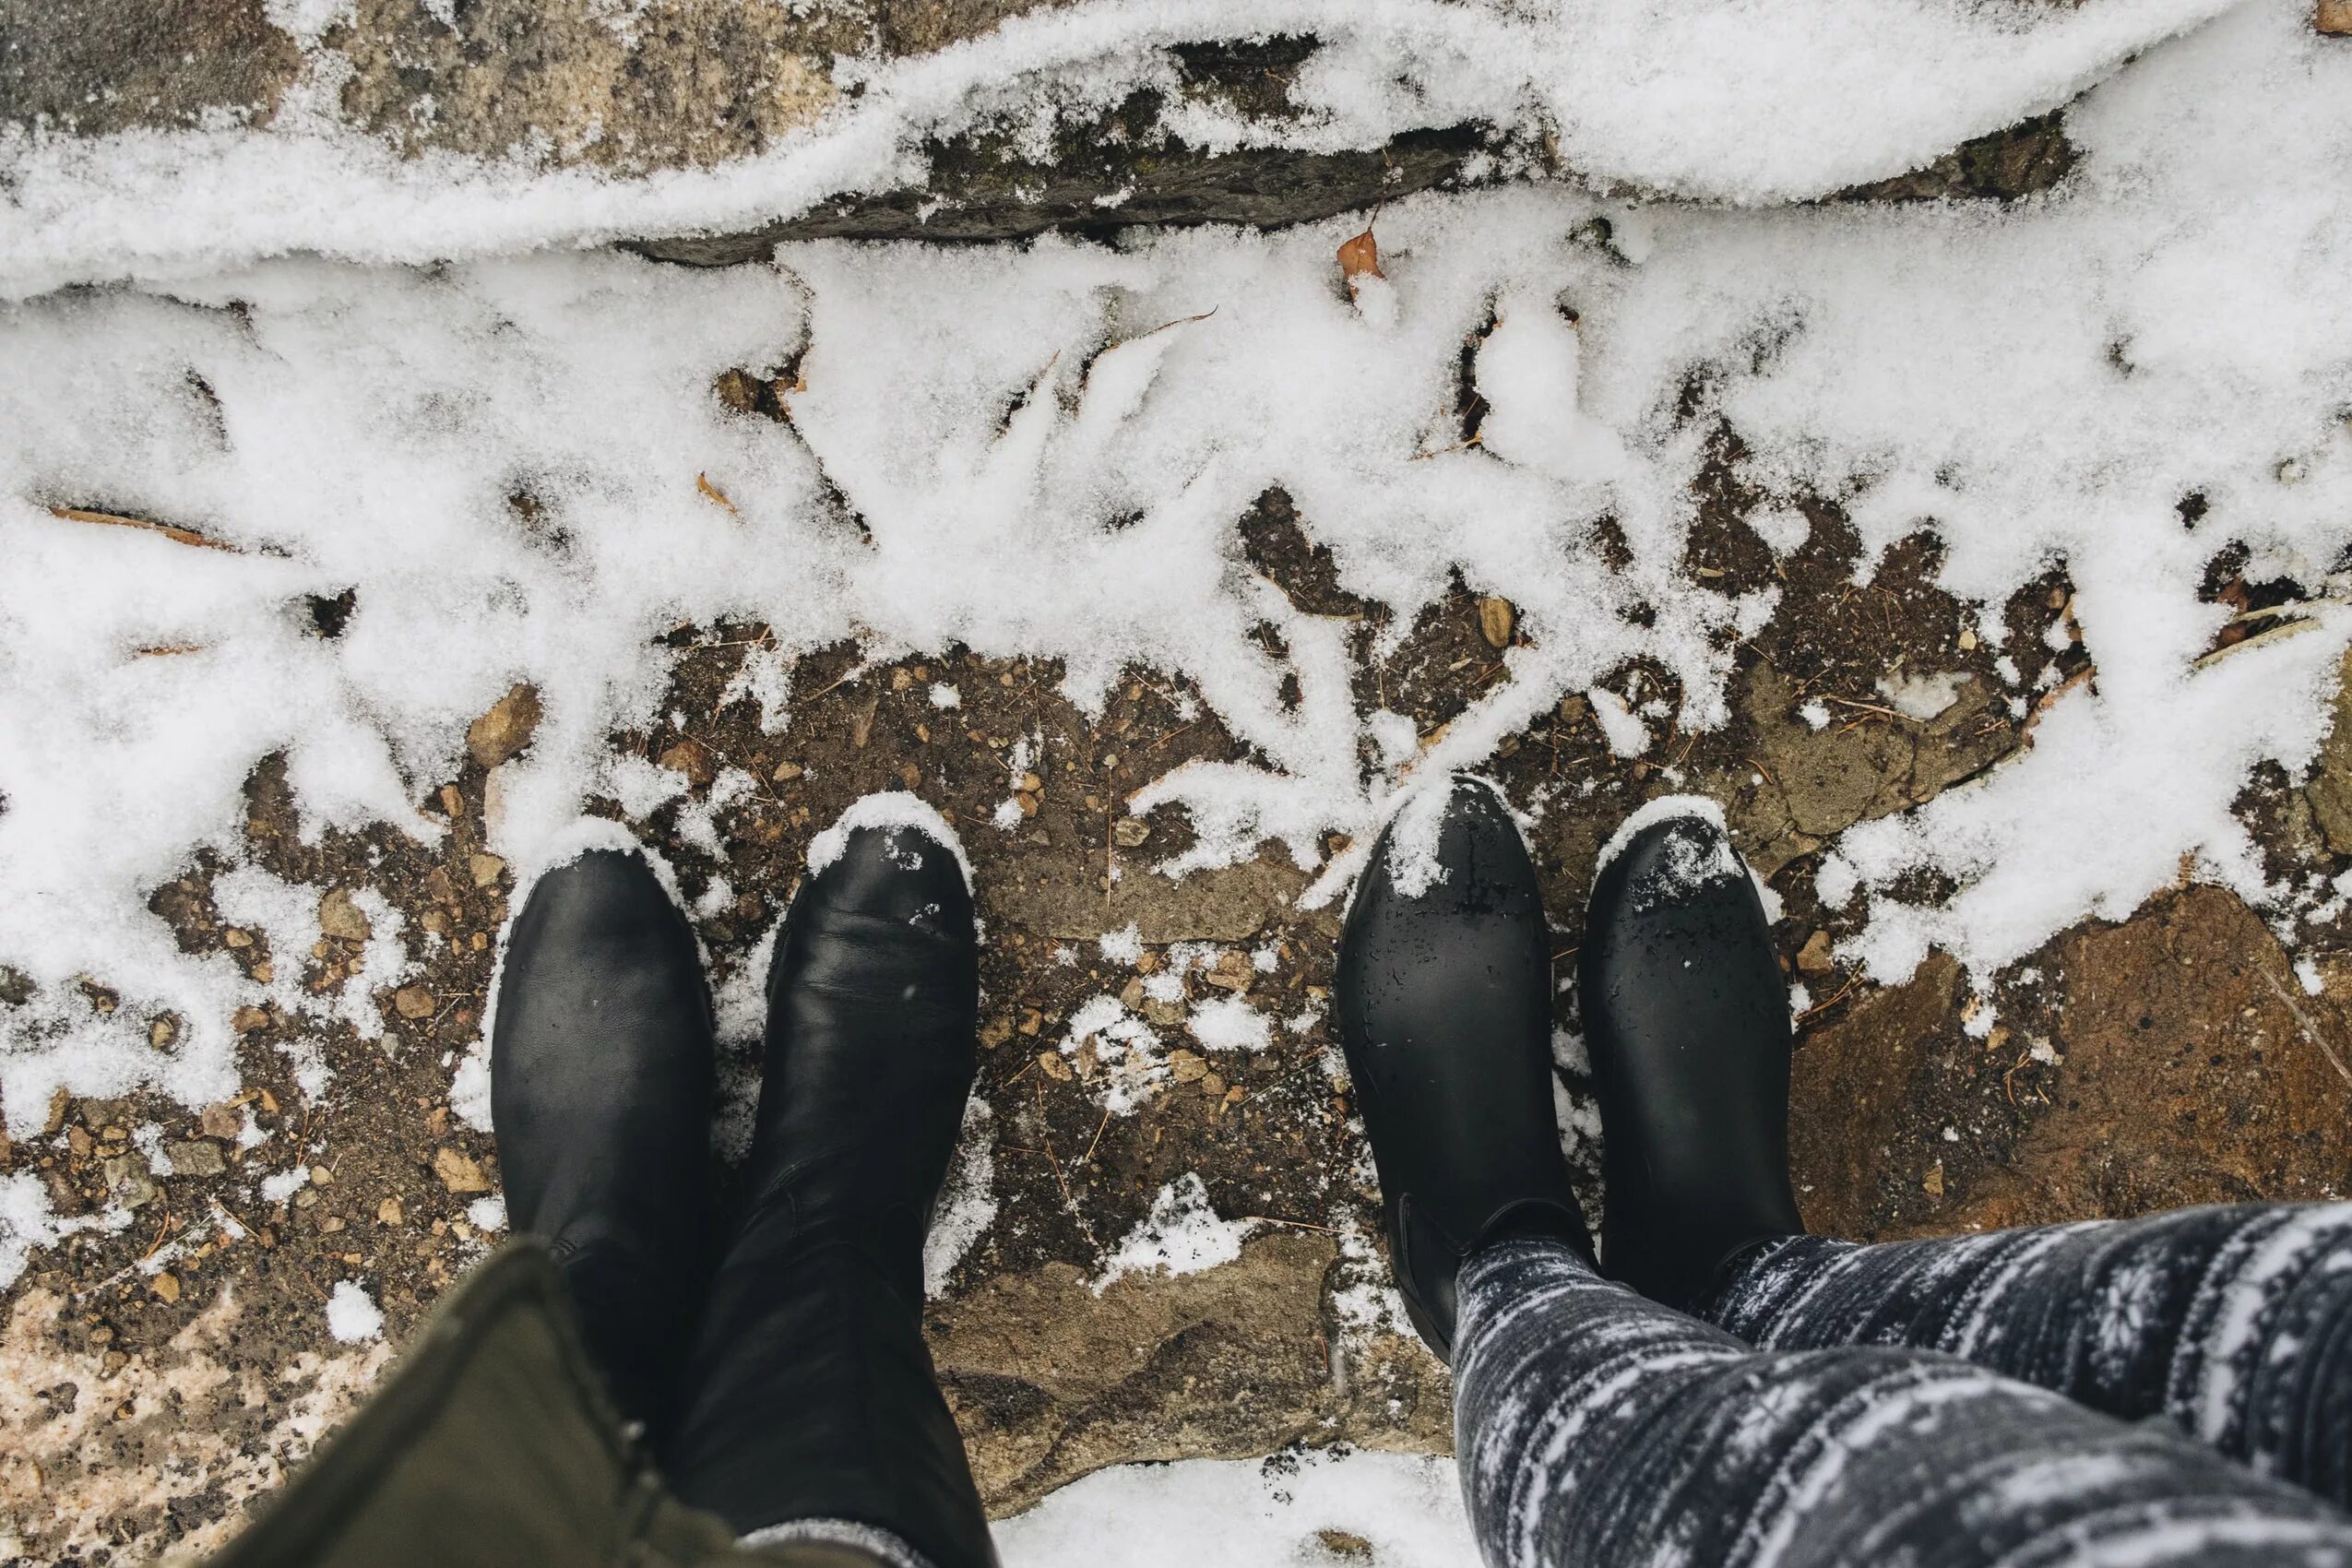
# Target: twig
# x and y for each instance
(1050, 1159)
(2304, 1022)
(1293, 1224)
(1865, 707)
(1086, 1158)
(1825, 1006)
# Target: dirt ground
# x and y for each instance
(2167, 1060)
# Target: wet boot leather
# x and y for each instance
(1686, 1015)
(601, 1091)
(812, 1393)
(1444, 1011)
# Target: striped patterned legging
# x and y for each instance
(2170, 1390)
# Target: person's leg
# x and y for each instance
(600, 1083)
(1597, 1428)
(811, 1411)
(2234, 1322)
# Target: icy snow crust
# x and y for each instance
(1248, 1513)
(1769, 101)
(2037, 383)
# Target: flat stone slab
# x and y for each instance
(674, 87)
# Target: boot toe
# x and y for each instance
(606, 897)
(1677, 864)
(899, 870)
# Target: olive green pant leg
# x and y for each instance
(492, 1445)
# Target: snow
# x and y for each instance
(1922, 697)
(1414, 836)
(1798, 101)
(27, 1223)
(1154, 378)
(1181, 1234)
(892, 812)
(365, 428)
(1685, 865)
(1122, 946)
(1626, 735)
(352, 1316)
(967, 1205)
(1249, 1514)
(1228, 1023)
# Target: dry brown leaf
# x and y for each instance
(702, 482)
(115, 520)
(1359, 258)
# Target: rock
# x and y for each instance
(1049, 1381)
(166, 1286)
(129, 1182)
(486, 869)
(693, 759)
(1050, 1064)
(116, 64)
(687, 84)
(1186, 1066)
(2329, 792)
(506, 728)
(2333, 18)
(194, 1156)
(2190, 1068)
(223, 1120)
(1231, 904)
(387, 1213)
(458, 1172)
(1232, 971)
(1496, 618)
(248, 1019)
(341, 918)
(788, 771)
(1344, 1544)
(1129, 832)
(1815, 957)
(413, 1002)
(1817, 784)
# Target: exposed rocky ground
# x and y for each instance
(155, 1381)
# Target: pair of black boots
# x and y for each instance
(778, 1362)
(775, 1354)
(1444, 1009)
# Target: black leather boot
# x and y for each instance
(1445, 1010)
(1687, 1019)
(600, 1088)
(812, 1396)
